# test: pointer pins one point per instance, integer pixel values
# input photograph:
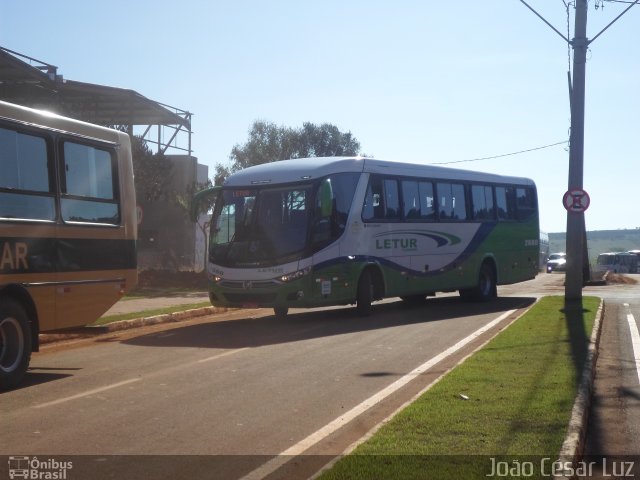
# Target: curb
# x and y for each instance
(91, 331)
(573, 446)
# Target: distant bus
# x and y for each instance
(338, 231)
(67, 228)
(617, 262)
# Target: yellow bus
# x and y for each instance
(68, 228)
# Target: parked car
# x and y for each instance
(557, 262)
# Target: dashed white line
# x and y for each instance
(220, 355)
(157, 373)
(88, 393)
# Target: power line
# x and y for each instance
(503, 155)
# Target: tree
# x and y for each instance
(152, 172)
(326, 141)
(201, 211)
(269, 143)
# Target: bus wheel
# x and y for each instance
(281, 312)
(15, 343)
(485, 289)
(364, 296)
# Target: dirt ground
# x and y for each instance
(619, 278)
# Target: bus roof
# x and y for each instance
(290, 171)
(53, 121)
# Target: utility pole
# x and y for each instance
(575, 220)
(577, 261)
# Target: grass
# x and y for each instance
(149, 313)
(521, 388)
(154, 292)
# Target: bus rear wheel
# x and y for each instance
(281, 312)
(486, 288)
(15, 343)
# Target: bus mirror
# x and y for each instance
(326, 198)
(203, 201)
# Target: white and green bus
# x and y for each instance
(338, 231)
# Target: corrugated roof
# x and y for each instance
(40, 87)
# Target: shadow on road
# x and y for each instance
(574, 313)
(269, 330)
(37, 376)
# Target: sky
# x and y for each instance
(412, 80)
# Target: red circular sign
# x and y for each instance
(576, 200)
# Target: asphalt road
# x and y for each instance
(613, 432)
(236, 390)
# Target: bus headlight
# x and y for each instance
(289, 277)
(214, 278)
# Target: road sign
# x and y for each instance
(576, 200)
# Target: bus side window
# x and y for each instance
(375, 202)
(417, 200)
(344, 187)
(89, 192)
(372, 199)
(482, 200)
(25, 173)
(452, 201)
(333, 202)
(526, 202)
(427, 203)
(410, 199)
(382, 201)
(506, 203)
(392, 199)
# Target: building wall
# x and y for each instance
(167, 239)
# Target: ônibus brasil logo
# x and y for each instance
(35, 469)
(406, 240)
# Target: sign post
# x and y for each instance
(576, 200)
(575, 218)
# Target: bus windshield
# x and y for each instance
(260, 227)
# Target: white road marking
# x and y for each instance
(297, 449)
(635, 341)
(220, 355)
(88, 393)
(164, 371)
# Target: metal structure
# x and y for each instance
(33, 83)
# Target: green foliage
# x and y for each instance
(149, 313)
(520, 389)
(152, 172)
(186, 200)
(269, 143)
